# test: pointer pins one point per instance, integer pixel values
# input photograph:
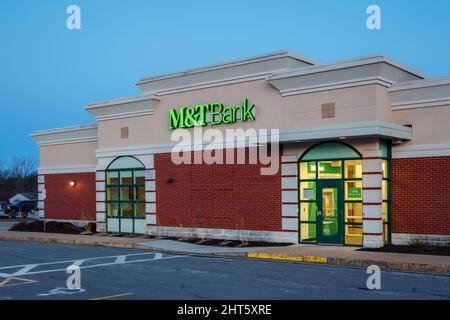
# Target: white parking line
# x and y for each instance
(120, 259)
(26, 269)
(113, 296)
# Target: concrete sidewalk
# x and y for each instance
(92, 240)
(351, 256)
(333, 255)
(186, 247)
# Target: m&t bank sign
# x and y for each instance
(212, 113)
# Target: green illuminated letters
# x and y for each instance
(188, 117)
(218, 113)
(248, 111)
(176, 119)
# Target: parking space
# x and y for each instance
(38, 271)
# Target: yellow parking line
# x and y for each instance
(114, 296)
(286, 257)
(5, 282)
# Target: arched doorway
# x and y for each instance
(330, 194)
(125, 196)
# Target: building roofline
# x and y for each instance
(423, 83)
(233, 63)
(119, 101)
(63, 130)
(343, 64)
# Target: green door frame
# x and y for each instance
(120, 201)
(339, 237)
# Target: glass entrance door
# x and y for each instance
(329, 212)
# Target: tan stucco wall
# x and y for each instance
(364, 103)
(362, 145)
(429, 125)
(71, 154)
(142, 131)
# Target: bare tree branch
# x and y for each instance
(21, 176)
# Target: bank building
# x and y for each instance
(364, 155)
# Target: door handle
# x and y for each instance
(319, 213)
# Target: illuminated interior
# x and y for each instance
(331, 190)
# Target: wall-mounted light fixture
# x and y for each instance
(72, 183)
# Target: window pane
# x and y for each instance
(307, 191)
(113, 209)
(384, 190)
(353, 212)
(353, 169)
(140, 210)
(125, 163)
(112, 178)
(384, 210)
(140, 193)
(308, 211)
(384, 167)
(330, 212)
(307, 170)
(139, 177)
(353, 235)
(385, 233)
(113, 194)
(308, 232)
(126, 177)
(330, 169)
(353, 190)
(126, 193)
(127, 210)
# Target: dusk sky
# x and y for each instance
(49, 73)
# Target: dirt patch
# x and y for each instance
(417, 248)
(51, 227)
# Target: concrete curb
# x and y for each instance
(118, 245)
(412, 267)
(77, 242)
(286, 257)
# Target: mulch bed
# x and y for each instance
(51, 227)
(413, 249)
(68, 228)
(227, 243)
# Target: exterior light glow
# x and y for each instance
(73, 183)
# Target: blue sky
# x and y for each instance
(49, 73)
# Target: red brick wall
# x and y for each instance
(421, 195)
(217, 196)
(70, 203)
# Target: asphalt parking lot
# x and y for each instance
(30, 270)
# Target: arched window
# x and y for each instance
(330, 194)
(125, 163)
(125, 196)
(330, 150)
